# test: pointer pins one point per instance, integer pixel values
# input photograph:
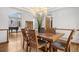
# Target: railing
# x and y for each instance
(63, 29)
(3, 30)
(75, 42)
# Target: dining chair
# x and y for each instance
(50, 30)
(25, 38)
(34, 42)
(42, 30)
(53, 30)
(64, 46)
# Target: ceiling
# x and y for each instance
(33, 10)
(40, 10)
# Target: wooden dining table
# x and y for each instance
(50, 37)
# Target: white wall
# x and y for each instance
(4, 13)
(67, 17)
(26, 17)
(4, 20)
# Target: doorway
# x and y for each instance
(29, 24)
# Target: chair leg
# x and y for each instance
(30, 47)
(54, 49)
(50, 47)
(27, 47)
(23, 43)
(46, 48)
(68, 49)
(36, 49)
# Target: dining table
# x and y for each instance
(50, 37)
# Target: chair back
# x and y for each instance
(32, 38)
(24, 34)
(69, 39)
(42, 30)
(54, 30)
(51, 30)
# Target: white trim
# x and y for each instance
(54, 9)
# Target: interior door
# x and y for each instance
(29, 24)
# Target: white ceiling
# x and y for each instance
(32, 9)
(51, 9)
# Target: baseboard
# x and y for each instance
(4, 42)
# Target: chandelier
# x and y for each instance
(39, 10)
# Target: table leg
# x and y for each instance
(50, 46)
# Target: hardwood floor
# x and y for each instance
(15, 44)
